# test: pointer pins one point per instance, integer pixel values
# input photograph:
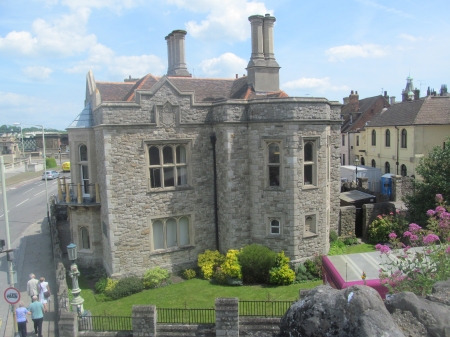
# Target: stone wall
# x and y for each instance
(347, 221)
(371, 211)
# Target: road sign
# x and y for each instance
(12, 295)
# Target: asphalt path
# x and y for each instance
(27, 205)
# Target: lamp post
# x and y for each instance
(356, 171)
(45, 166)
(21, 135)
(77, 301)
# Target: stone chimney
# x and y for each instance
(353, 101)
(443, 91)
(392, 100)
(263, 69)
(416, 94)
(345, 100)
(176, 54)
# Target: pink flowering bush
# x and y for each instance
(421, 256)
(386, 225)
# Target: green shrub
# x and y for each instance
(126, 287)
(231, 267)
(380, 229)
(256, 261)
(155, 277)
(333, 236)
(110, 284)
(208, 263)
(314, 267)
(349, 241)
(50, 163)
(100, 285)
(281, 274)
(302, 274)
(189, 274)
(219, 276)
(337, 248)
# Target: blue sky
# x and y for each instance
(324, 48)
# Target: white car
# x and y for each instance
(50, 175)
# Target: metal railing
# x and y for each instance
(73, 193)
(264, 308)
(186, 316)
(105, 323)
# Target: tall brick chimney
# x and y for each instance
(263, 69)
(176, 54)
(353, 101)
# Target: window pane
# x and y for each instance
(154, 156)
(308, 152)
(274, 153)
(158, 235)
(171, 228)
(85, 244)
(308, 172)
(168, 155)
(184, 231)
(181, 155)
(182, 176)
(83, 153)
(310, 224)
(274, 175)
(169, 179)
(155, 178)
(275, 227)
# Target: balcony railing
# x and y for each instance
(70, 193)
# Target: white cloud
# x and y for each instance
(386, 9)
(37, 73)
(22, 42)
(409, 37)
(341, 53)
(320, 84)
(226, 19)
(227, 65)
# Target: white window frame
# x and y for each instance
(268, 165)
(173, 144)
(269, 219)
(308, 231)
(84, 171)
(164, 221)
(315, 142)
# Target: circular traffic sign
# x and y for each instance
(12, 295)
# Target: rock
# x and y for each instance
(356, 311)
(433, 316)
(440, 292)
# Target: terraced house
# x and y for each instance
(170, 166)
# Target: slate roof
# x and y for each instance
(363, 115)
(425, 111)
(205, 89)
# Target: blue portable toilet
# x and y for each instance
(386, 184)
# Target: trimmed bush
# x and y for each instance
(231, 266)
(281, 274)
(208, 262)
(126, 287)
(219, 276)
(189, 274)
(155, 277)
(302, 274)
(256, 262)
(50, 163)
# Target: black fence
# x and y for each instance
(104, 323)
(264, 308)
(186, 316)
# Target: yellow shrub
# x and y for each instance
(231, 266)
(111, 284)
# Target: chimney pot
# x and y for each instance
(236, 75)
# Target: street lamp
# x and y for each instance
(45, 166)
(356, 166)
(77, 301)
(21, 135)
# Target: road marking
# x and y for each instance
(29, 190)
(38, 193)
(23, 202)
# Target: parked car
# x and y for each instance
(66, 166)
(50, 175)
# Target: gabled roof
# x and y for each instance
(429, 110)
(365, 113)
(84, 119)
(204, 89)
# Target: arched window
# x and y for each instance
(374, 164)
(404, 139)
(309, 164)
(275, 227)
(83, 153)
(374, 138)
(388, 138)
(387, 167)
(363, 161)
(84, 238)
(403, 171)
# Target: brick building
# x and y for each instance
(186, 164)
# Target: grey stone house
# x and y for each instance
(170, 166)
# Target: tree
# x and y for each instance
(435, 172)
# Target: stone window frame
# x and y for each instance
(343, 140)
(160, 144)
(306, 231)
(387, 167)
(83, 230)
(387, 141)
(267, 164)
(357, 140)
(315, 142)
(164, 219)
(374, 138)
(274, 217)
(404, 139)
(403, 170)
(84, 163)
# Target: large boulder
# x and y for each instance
(427, 316)
(356, 311)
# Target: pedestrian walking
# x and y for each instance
(32, 286)
(37, 315)
(21, 317)
(44, 292)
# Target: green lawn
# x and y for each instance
(361, 248)
(195, 293)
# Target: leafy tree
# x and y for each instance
(435, 172)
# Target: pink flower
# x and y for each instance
(444, 215)
(440, 209)
(391, 213)
(414, 227)
(439, 198)
(407, 234)
(392, 236)
(406, 248)
(448, 250)
(397, 211)
(382, 248)
(430, 238)
(431, 212)
(379, 217)
(414, 237)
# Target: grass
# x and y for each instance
(195, 293)
(360, 248)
